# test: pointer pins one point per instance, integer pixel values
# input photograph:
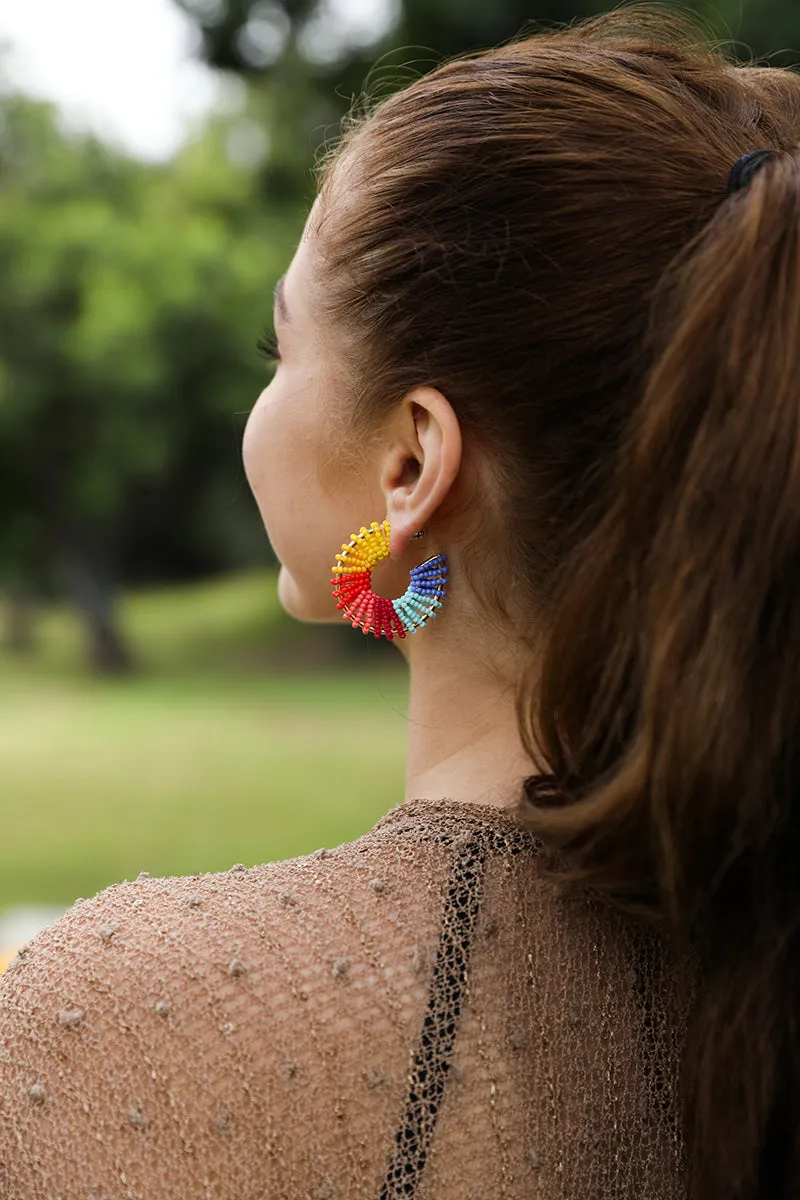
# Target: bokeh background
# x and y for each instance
(158, 711)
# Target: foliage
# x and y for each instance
(131, 300)
(132, 297)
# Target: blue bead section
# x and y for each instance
(424, 594)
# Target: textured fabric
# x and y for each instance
(412, 1014)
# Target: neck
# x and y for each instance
(463, 741)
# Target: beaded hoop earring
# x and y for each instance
(352, 586)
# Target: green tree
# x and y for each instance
(132, 295)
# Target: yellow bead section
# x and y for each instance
(364, 550)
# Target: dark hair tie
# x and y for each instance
(745, 168)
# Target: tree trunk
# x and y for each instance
(18, 636)
(93, 595)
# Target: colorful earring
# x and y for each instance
(352, 586)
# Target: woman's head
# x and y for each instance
(495, 232)
(531, 253)
(315, 477)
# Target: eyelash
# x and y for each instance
(267, 346)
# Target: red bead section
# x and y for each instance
(375, 614)
(348, 588)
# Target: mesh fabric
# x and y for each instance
(416, 1014)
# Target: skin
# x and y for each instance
(463, 742)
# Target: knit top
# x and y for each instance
(417, 1013)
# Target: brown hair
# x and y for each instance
(542, 232)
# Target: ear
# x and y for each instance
(421, 463)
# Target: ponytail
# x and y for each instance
(667, 708)
(636, 419)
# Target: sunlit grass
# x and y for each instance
(230, 623)
(186, 767)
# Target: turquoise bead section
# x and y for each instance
(414, 609)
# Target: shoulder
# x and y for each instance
(169, 1025)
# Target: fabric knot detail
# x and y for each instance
(491, 927)
(517, 1039)
(574, 1015)
(69, 1017)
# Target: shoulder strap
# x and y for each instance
(433, 1056)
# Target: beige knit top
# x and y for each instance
(412, 1014)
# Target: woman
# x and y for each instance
(541, 336)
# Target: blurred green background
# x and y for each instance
(157, 710)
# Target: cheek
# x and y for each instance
(269, 454)
(281, 456)
(256, 444)
(277, 456)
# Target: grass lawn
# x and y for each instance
(194, 764)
